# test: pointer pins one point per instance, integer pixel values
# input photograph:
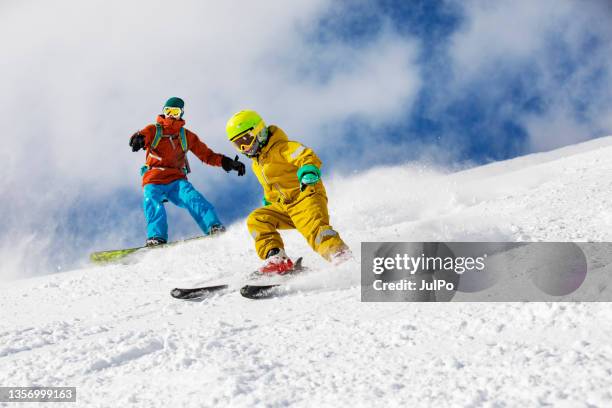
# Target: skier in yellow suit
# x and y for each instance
(294, 195)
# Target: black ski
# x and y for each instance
(248, 291)
(196, 293)
(259, 291)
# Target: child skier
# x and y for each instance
(164, 175)
(294, 195)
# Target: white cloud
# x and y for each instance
(79, 77)
(498, 38)
(86, 74)
(556, 129)
(504, 30)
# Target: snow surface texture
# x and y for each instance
(116, 334)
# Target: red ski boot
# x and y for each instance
(277, 262)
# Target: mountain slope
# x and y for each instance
(115, 333)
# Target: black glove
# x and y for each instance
(229, 165)
(137, 142)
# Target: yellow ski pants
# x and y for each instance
(308, 214)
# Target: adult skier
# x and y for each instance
(164, 175)
(294, 195)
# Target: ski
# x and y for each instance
(259, 291)
(196, 293)
(251, 291)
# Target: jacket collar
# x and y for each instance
(171, 126)
(275, 136)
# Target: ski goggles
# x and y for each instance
(244, 141)
(173, 112)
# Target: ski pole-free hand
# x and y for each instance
(236, 165)
(137, 141)
(308, 179)
(308, 175)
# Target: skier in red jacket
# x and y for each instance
(164, 175)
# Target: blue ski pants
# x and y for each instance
(182, 194)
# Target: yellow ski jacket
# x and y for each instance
(277, 164)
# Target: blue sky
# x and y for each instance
(483, 115)
(364, 83)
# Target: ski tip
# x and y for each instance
(199, 293)
(258, 291)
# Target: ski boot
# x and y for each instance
(155, 241)
(277, 262)
(341, 256)
(217, 229)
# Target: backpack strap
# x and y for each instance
(158, 135)
(183, 137)
(185, 147)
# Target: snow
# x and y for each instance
(116, 334)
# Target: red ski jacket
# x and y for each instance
(167, 161)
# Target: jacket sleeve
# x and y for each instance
(298, 155)
(149, 133)
(203, 152)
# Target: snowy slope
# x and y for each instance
(115, 333)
